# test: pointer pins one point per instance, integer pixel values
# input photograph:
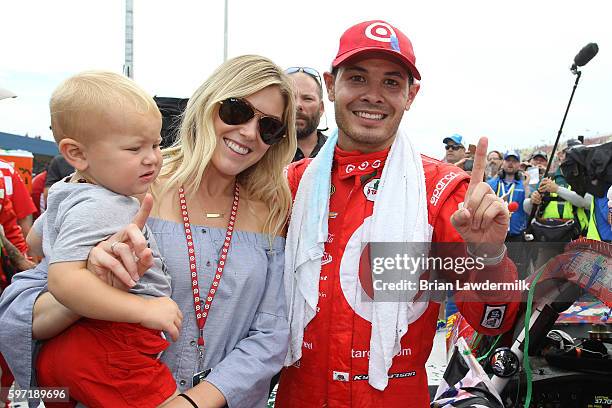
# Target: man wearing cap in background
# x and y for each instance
(455, 149)
(539, 158)
(369, 184)
(309, 105)
(511, 186)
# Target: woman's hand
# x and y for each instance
(124, 257)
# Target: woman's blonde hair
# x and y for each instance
(186, 160)
(89, 93)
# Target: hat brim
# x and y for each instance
(512, 155)
(450, 139)
(396, 55)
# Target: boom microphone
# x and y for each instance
(585, 55)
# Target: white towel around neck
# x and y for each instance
(399, 215)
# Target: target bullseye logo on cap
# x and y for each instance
(380, 31)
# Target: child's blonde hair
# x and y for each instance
(186, 160)
(89, 93)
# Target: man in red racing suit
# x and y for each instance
(333, 368)
(337, 340)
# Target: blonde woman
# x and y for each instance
(221, 202)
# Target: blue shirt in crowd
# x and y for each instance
(601, 218)
(515, 192)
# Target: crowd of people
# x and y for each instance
(197, 275)
(538, 193)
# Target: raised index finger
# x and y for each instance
(478, 169)
(140, 219)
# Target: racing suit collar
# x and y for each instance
(356, 164)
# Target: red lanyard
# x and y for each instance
(202, 315)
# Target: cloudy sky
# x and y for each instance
(489, 68)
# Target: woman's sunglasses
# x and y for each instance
(237, 111)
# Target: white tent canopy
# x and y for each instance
(5, 93)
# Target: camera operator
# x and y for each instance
(559, 201)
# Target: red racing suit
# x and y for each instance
(333, 369)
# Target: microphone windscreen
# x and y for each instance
(586, 54)
(513, 206)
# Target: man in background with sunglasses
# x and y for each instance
(346, 350)
(309, 105)
(455, 149)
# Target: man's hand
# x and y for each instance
(548, 186)
(461, 163)
(162, 313)
(536, 198)
(123, 258)
(526, 177)
(16, 258)
(484, 217)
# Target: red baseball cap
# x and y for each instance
(376, 35)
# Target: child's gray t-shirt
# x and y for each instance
(80, 215)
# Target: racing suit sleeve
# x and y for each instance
(488, 312)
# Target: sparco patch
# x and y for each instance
(441, 186)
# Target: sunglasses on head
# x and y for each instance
(307, 70)
(237, 111)
(453, 147)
